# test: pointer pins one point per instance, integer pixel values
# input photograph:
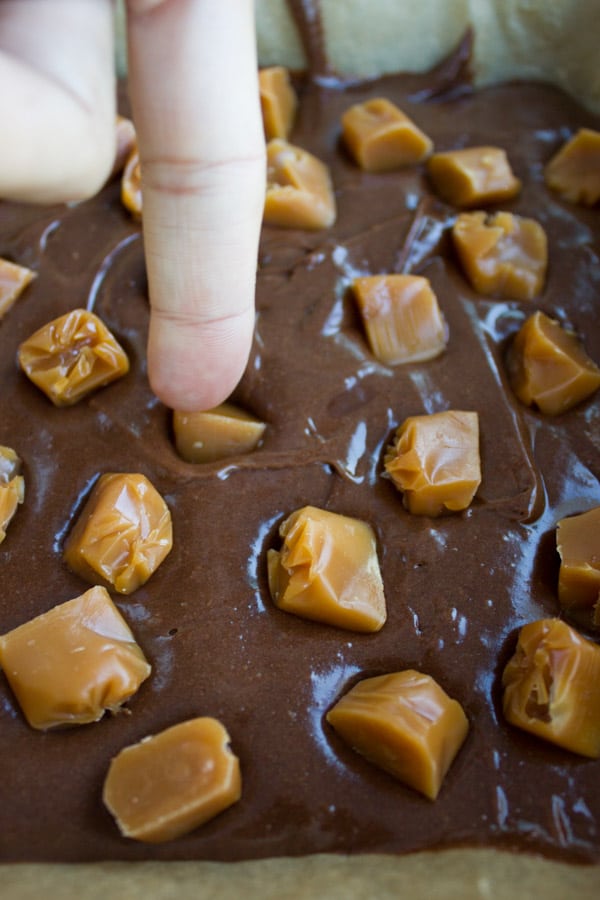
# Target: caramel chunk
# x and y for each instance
(224, 431)
(548, 367)
(435, 462)
(71, 664)
(578, 543)
(12, 487)
(476, 175)
(502, 255)
(172, 782)
(72, 356)
(404, 723)
(552, 686)
(131, 185)
(574, 172)
(381, 137)
(13, 281)
(278, 101)
(327, 570)
(401, 317)
(122, 534)
(299, 190)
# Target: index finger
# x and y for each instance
(194, 89)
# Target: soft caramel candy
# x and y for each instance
(70, 665)
(131, 185)
(552, 686)
(502, 255)
(381, 137)
(72, 356)
(278, 101)
(122, 534)
(578, 543)
(574, 172)
(404, 723)
(474, 176)
(13, 281)
(401, 317)
(299, 190)
(224, 431)
(549, 368)
(172, 782)
(327, 570)
(435, 462)
(12, 487)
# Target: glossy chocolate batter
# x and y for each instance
(457, 588)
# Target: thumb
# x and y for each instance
(195, 98)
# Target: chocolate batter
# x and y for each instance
(458, 588)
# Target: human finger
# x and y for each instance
(57, 102)
(195, 98)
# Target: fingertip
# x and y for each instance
(193, 367)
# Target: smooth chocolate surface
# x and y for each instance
(457, 588)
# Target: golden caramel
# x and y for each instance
(13, 281)
(72, 356)
(299, 189)
(172, 782)
(578, 543)
(552, 686)
(12, 487)
(401, 317)
(434, 461)
(574, 172)
(502, 255)
(327, 570)
(548, 367)
(70, 665)
(131, 184)
(381, 137)
(122, 534)
(404, 723)
(224, 431)
(474, 176)
(278, 101)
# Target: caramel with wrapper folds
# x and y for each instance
(381, 137)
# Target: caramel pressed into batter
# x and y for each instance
(458, 587)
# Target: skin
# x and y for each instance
(195, 99)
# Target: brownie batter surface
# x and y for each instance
(457, 588)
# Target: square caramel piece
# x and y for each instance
(406, 724)
(122, 534)
(218, 433)
(502, 255)
(299, 189)
(552, 686)
(381, 137)
(131, 184)
(70, 665)
(401, 316)
(12, 487)
(574, 172)
(278, 101)
(173, 782)
(327, 570)
(578, 543)
(474, 176)
(13, 281)
(549, 368)
(434, 461)
(72, 356)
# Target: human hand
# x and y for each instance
(194, 90)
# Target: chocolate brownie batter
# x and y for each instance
(457, 588)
